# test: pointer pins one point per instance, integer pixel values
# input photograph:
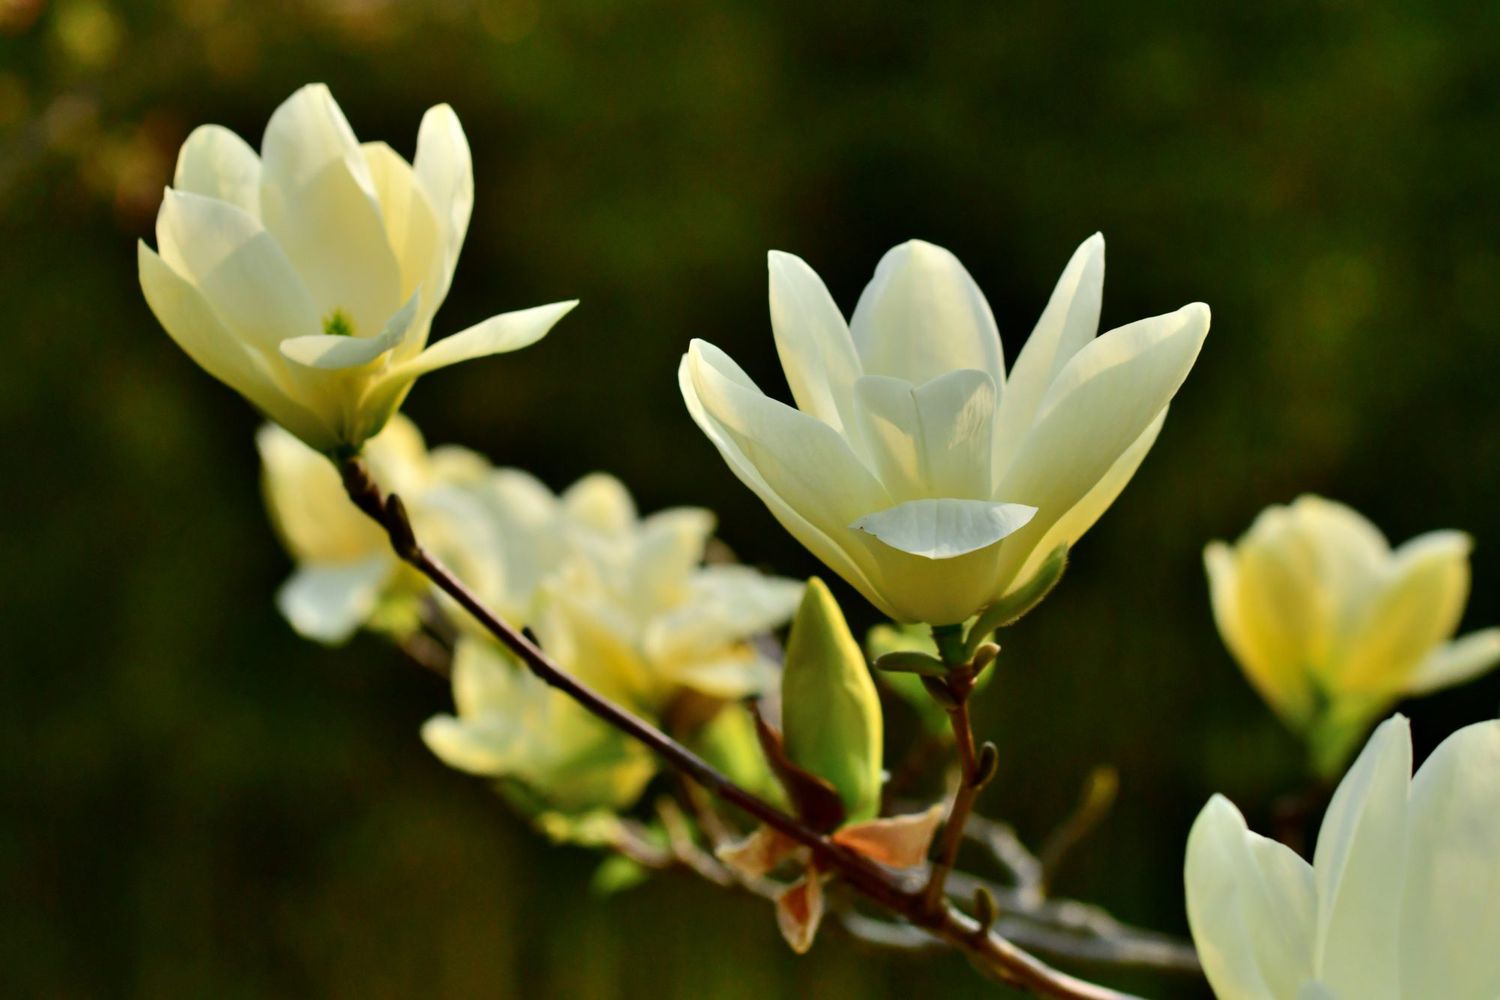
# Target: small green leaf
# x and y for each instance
(907, 662)
(617, 873)
(830, 710)
(1015, 605)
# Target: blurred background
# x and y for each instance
(197, 803)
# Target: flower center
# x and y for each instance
(338, 324)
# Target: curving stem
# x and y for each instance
(992, 954)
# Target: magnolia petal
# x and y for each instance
(328, 603)
(601, 503)
(809, 480)
(1457, 662)
(1099, 406)
(1417, 610)
(1069, 322)
(470, 747)
(799, 911)
(1241, 617)
(1352, 553)
(411, 225)
(758, 854)
(319, 200)
(896, 841)
(817, 353)
(1072, 526)
(497, 335)
(238, 267)
(485, 680)
(929, 440)
(216, 163)
(923, 316)
(445, 170)
(1251, 906)
(190, 321)
(1358, 869)
(1450, 913)
(943, 529)
(331, 353)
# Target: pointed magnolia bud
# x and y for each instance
(830, 711)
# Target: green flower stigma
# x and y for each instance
(338, 324)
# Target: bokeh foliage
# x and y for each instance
(198, 803)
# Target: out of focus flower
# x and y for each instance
(1400, 902)
(346, 573)
(622, 602)
(910, 465)
(306, 278)
(1333, 627)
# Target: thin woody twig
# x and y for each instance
(992, 954)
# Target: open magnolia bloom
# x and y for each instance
(1333, 627)
(346, 571)
(911, 464)
(306, 278)
(1401, 902)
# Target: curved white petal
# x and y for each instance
(444, 168)
(1418, 609)
(238, 267)
(942, 529)
(1457, 662)
(1450, 913)
(479, 748)
(411, 227)
(808, 478)
(1100, 405)
(1358, 867)
(329, 602)
(601, 503)
(1069, 322)
(1251, 906)
(216, 163)
(497, 335)
(333, 353)
(931, 440)
(923, 316)
(192, 323)
(813, 341)
(317, 193)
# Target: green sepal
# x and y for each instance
(1014, 606)
(911, 662)
(830, 711)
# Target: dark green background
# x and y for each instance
(197, 803)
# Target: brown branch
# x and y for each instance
(954, 694)
(989, 952)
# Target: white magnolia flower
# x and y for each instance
(306, 278)
(1333, 627)
(1401, 902)
(633, 588)
(345, 566)
(911, 465)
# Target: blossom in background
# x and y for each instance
(910, 464)
(1333, 627)
(306, 278)
(1401, 902)
(619, 601)
(346, 571)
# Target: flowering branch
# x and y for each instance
(992, 954)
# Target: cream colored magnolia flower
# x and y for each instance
(635, 587)
(306, 278)
(1332, 626)
(621, 602)
(346, 569)
(1401, 902)
(912, 464)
